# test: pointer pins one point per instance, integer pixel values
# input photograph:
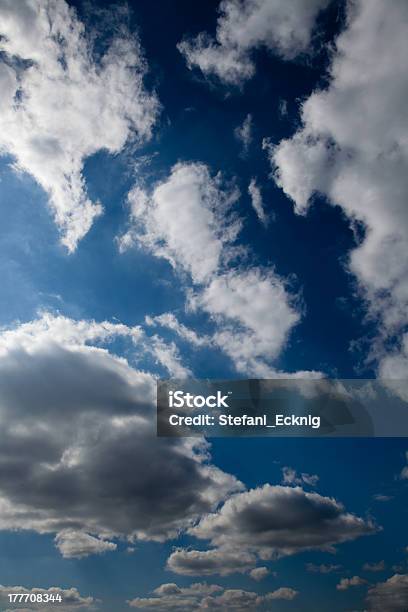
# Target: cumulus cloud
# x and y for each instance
(246, 25)
(74, 544)
(257, 202)
(60, 105)
(352, 147)
(191, 213)
(202, 596)
(170, 321)
(391, 595)
(274, 521)
(268, 522)
(207, 562)
(71, 599)
(78, 441)
(346, 583)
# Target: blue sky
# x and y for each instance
(131, 248)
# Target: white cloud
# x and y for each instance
(75, 420)
(71, 599)
(74, 544)
(346, 583)
(190, 214)
(374, 567)
(353, 147)
(59, 105)
(323, 568)
(169, 320)
(246, 25)
(243, 133)
(257, 202)
(391, 595)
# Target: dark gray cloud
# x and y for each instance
(78, 442)
(273, 521)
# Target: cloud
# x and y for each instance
(391, 595)
(243, 133)
(208, 562)
(76, 544)
(290, 477)
(202, 596)
(76, 420)
(191, 213)
(60, 104)
(186, 215)
(323, 568)
(246, 25)
(352, 147)
(274, 521)
(259, 573)
(257, 202)
(268, 522)
(382, 498)
(346, 583)
(170, 321)
(71, 599)
(374, 567)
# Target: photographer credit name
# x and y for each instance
(179, 399)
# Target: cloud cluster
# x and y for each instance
(291, 477)
(267, 523)
(352, 147)
(257, 202)
(202, 596)
(60, 104)
(78, 441)
(246, 25)
(189, 220)
(391, 595)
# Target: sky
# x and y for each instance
(210, 190)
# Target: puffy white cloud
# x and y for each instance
(273, 521)
(78, 441)
(257, 202)
(246, 25)
(353, 148)
(60, 105)
(190, 214)
(187, 220)
(391, 595)
(254, 312)
(71, 599)
(77, 544)
(346, 583)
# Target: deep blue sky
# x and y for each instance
(197, 123)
